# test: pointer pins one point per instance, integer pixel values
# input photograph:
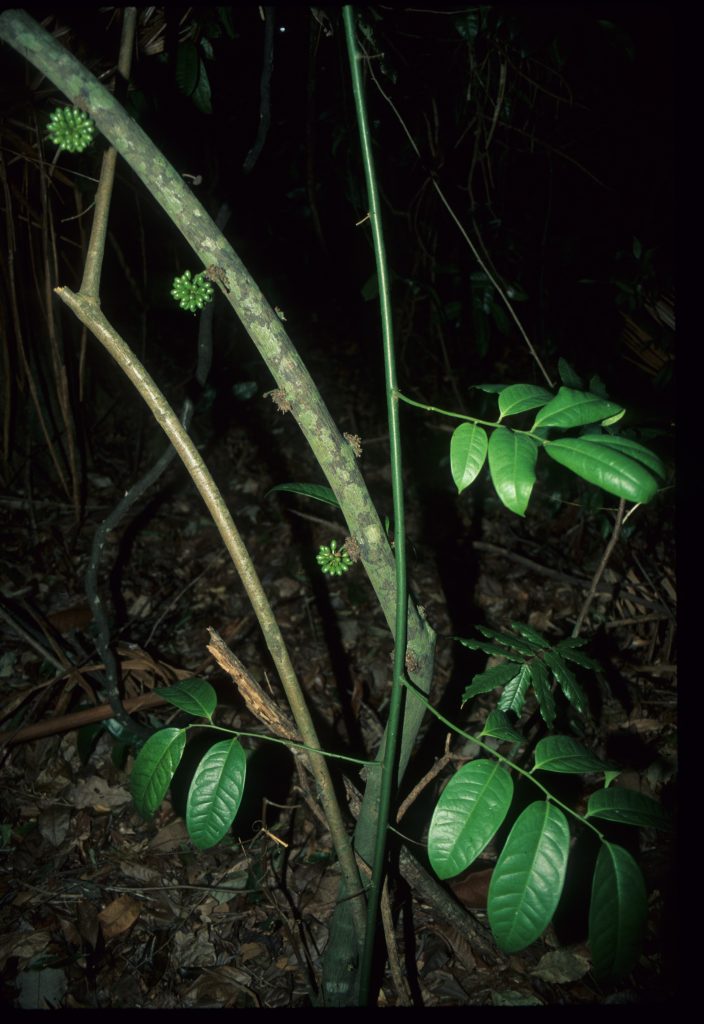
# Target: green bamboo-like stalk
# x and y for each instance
(392, 727)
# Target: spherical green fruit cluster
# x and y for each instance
(71, 129)
(333, 560)
(192, 293)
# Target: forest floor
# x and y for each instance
(101, 908)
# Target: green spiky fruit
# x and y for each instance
(71, 129)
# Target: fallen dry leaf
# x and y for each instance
(96, 792)
(118, 917)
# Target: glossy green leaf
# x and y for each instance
(485, 682)
(195, 696)
(617, 913)
(528, 878)
(317, 491)
(498, 725)
(514, 696)
(512, 459)
(490, 389)
(567, 681)
(571, 408)
(541, 686)
(563, 754)
(522, 398)
(628, 807)
(468, 448)
(216, 792)
(468, 814)
(634, 450)
(613, 471)
(154, 768)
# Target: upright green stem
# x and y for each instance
(389, 767)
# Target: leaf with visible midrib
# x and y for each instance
(528, 878)
(617, 913)
(154, 768)
(216, 793)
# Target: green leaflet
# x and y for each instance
(317, 491)
(154, 768)
(602, 465)
(512, 459)
(617, 913)
(468, 448)
(468, 814)
(487, 681)
(543, 693)
(498, 724)
(567, 681)
(627, 806)
(563, 754)
(632, 449)
(522, 398)
(570, 408)
(216, 793)
(514, 695)
(195, 696)
(528, 878)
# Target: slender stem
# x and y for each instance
(596, 579)
(389, 768)
(89, 313)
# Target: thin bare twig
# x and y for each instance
(613, 539)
